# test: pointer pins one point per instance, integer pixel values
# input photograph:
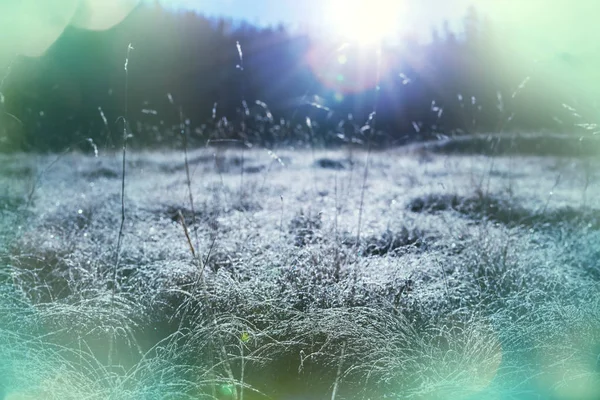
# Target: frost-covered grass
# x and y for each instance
(472, 277)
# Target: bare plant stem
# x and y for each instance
(245, 112)
(362, 193)
(312, 152)
(335, 230)
(122, 225)
(188, 178)
(186, 232)
(371, 126)
(120, 236)
(123, 166)
(242, 177)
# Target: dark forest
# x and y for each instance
(223, 79)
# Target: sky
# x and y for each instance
(418, 16)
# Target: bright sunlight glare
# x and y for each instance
(365, 22)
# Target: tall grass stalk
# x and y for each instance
(312, 151)
(188, 178)
(245, 113)
(123, 170)
(364, 183)
(371, 126)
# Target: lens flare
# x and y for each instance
(100, 15)
(365, 22)
(349, 69)
(571, 366)
(30, 27)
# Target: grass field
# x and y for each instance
(300, 275)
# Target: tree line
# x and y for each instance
(218, 79)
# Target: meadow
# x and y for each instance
(432, 271)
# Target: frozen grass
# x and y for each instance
(474, 277)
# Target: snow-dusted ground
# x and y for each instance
(422, 276)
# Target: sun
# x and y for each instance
(365, 22)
